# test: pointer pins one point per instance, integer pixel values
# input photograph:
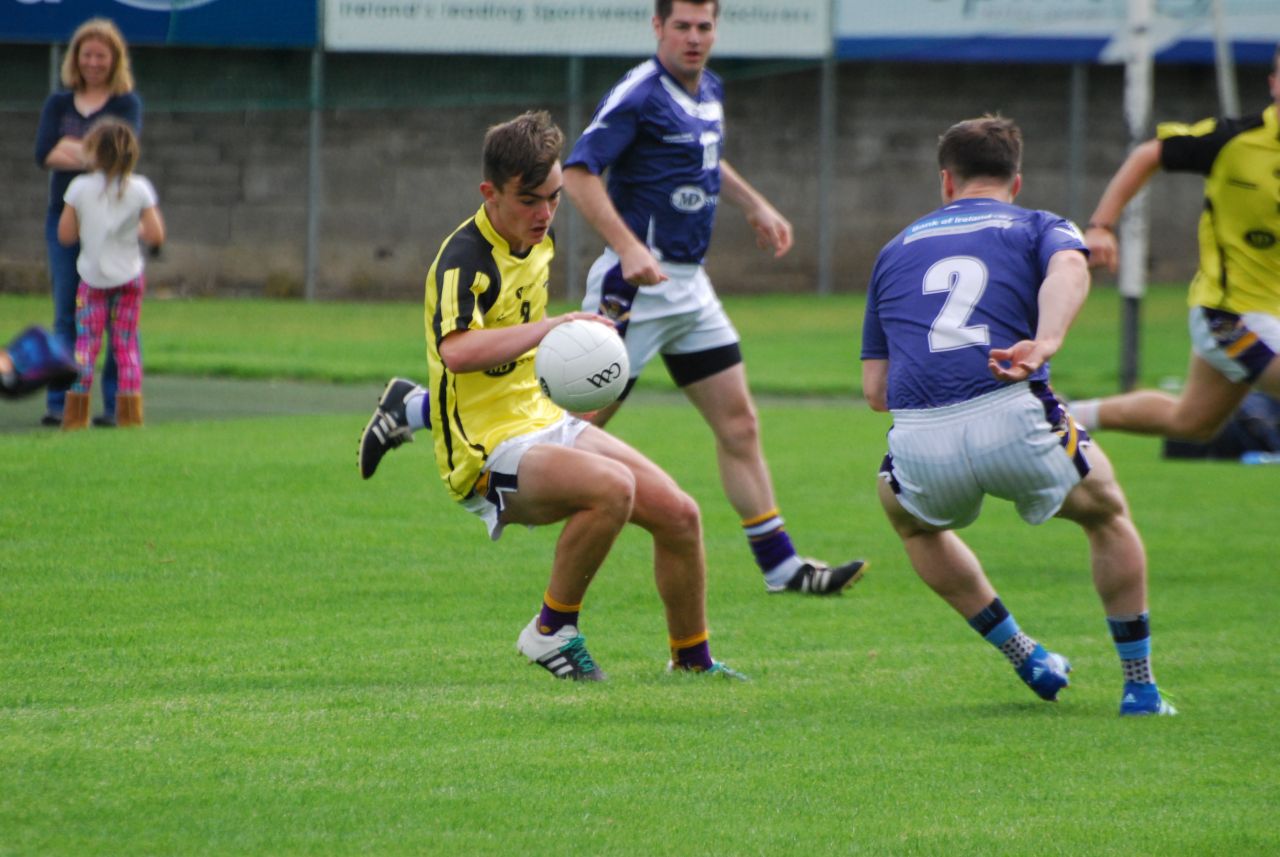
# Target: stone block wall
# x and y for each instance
(396, 180)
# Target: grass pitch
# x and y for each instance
(215, 638)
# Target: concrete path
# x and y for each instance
(172, 398)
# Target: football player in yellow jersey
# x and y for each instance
(1235, 295)
(508, 454)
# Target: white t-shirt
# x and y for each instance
(109, 251)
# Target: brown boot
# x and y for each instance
(128, 409)
(75, 412)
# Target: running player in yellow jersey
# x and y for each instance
(1235, 295)
(508, 454)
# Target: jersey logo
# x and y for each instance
(955, 224)
(499, 371)
(1260, 238)
(689, 198)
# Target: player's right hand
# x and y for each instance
(640, 268)
(1018, 362)
(1104, 251)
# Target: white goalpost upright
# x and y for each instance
(1139, 86)
(1224, 62)
(1135, 225)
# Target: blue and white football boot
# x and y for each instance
(1045, 672)
(1141, 699)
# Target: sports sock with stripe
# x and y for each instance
(417, 409)
(998, 627)
(555, 615)
(772, 547)
(692, 653)
(1132, 636)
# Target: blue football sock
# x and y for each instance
(1132, 636)
(998, 627)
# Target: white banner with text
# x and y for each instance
(1046, 30)
(750, 28)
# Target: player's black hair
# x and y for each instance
(662, 8)
(989, 147)
(526, 147)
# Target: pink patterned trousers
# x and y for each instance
(115, 309)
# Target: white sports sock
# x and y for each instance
(1085, 412)
(781, 574)
(413, 409)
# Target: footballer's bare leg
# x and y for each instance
(1206, 404)
(592, 494)
(725, 403)
(1116, 553)
(1269, 381)
(672, 517)
(940, 557)
(1120, 575)
(951, 569)
(601, 417)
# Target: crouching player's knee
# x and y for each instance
(615, 492)
(680, 519)
(1097, 501)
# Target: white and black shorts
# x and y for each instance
(681, 319)
(500, 474)
(1239, 346)
(1017, 443)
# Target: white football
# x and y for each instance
(582, 365)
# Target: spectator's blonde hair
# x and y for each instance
(112, 148)
(105, 31)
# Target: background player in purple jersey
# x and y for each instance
(965, 308)
(658, 133)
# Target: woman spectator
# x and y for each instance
(99, 83)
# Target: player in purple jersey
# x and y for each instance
(659, 134)
(964, 310)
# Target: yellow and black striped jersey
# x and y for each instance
(476, 282)
(1239, 230)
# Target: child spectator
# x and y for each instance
(107, 210)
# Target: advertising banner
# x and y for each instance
(1046, 30)
(230, 23)
(748, 28)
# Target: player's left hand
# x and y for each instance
(773, 231)
(1017, 362)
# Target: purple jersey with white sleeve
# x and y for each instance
(661, 147)
(949, 288)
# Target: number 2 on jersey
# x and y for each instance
(964, 278)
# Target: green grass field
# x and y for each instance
(216, 639)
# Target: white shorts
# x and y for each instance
(680, 316)
(499, 476)
(1017, 443)
(1239, 346)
